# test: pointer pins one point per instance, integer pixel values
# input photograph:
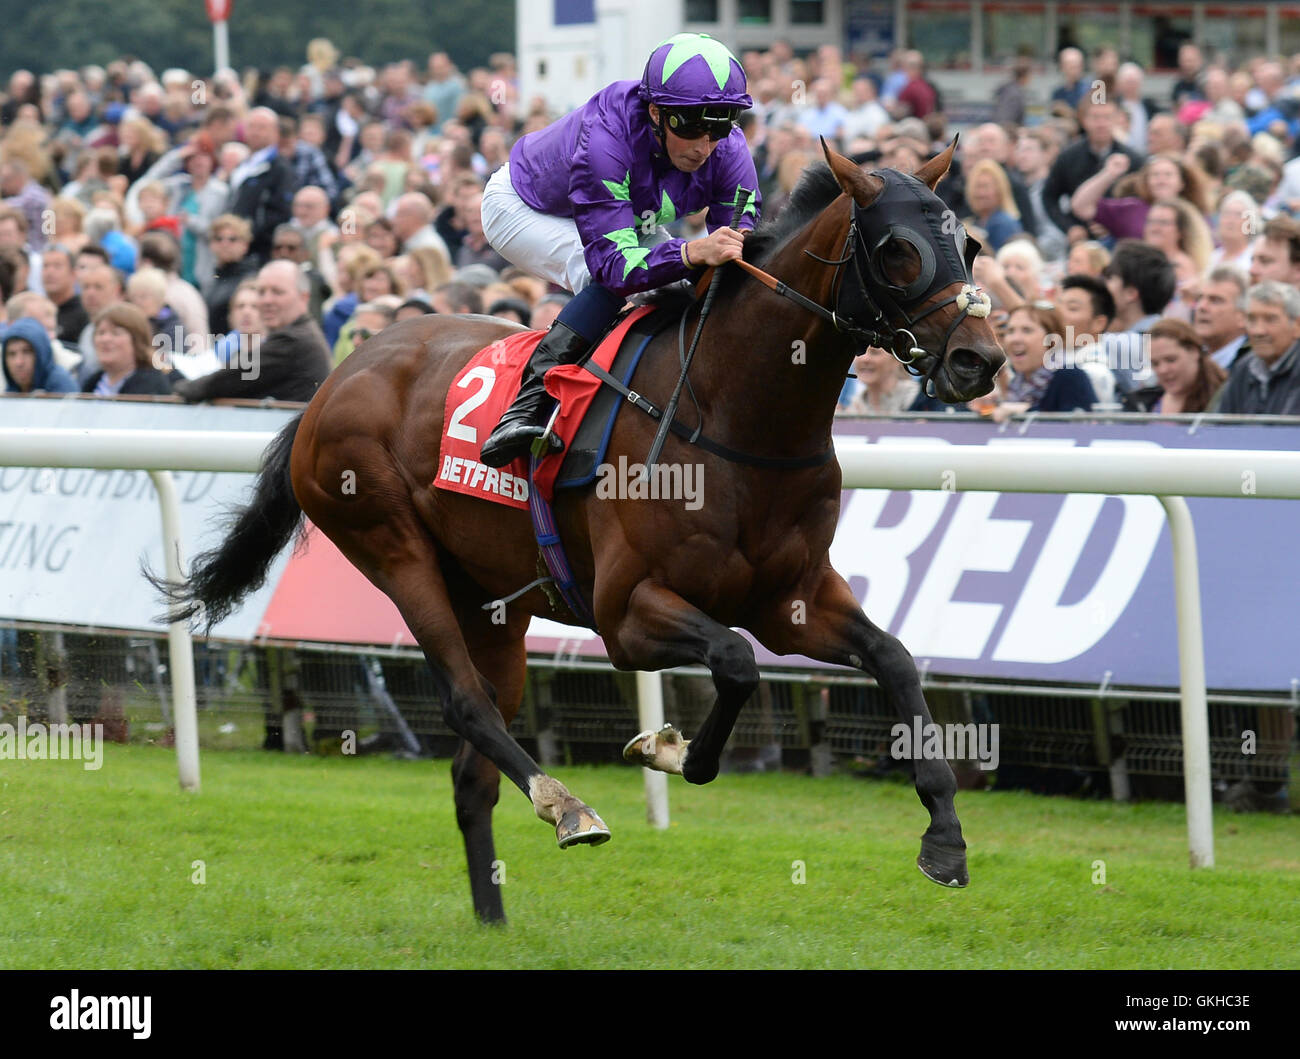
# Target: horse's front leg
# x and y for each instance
(826, 623)
(657, 629)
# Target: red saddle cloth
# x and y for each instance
(481, 393)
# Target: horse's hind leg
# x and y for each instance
(477, 781)
(399, 557)
(659, 630)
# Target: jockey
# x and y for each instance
(583, 201)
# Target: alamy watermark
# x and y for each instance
(53, 742)
(1119, 351)
(950, 742)
(665, 481)
(243, 353)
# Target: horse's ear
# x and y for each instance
(861, 187)
(933, 171)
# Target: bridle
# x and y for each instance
(877, 312)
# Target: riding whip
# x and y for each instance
(743, 196)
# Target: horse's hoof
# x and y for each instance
(945, 865)
(663, 751)
(580, 826)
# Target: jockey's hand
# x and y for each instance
(724, 244)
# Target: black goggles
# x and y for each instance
(714, 122)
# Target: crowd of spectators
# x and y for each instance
(1141, 253)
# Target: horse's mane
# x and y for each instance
(817, 188)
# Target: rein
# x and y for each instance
(901, 342)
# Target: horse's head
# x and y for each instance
(912, 262)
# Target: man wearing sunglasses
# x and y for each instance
(583, 203)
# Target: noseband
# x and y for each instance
(877, 311)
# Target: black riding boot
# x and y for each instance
(525, 420)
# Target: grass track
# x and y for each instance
(357, 863)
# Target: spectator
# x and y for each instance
(101, 286)
(29, 362)
(1128, 90)
(885, 388)
(1081, 160)
(1022, 265)
(354, 261)
(147, 291)
(866, 117)
(413, 223)
(546, 310)
(369, 319)
(515, 309)
(1164, 176)
(230, 238)
(69, 223)
(23, 193)
(1088, 258)
(1073, 90)
(457, 298)
(1141, 279)
(125, 351)
(474, 248)
(291, 362)
(381, 238)
(310, 167)
(60, 284)
(161, 251)
(42, 310)
(1035, 151)
(918, 97)
(245, 317)
(1165, 135)
(1191, 71)
(289, 245)
(1236, 227)
(1037, 383)
(1219, 315)
(426, 268)
(993, 208)
(1086, 309)
(1266, 381)
(1010, 97)
(141, 144)
(263, 186)
(197, 197)
(1277, 253)
(824, 116)
(311, 216)
(1185, 378)
(1175, 228)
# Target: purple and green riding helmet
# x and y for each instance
(698, 85)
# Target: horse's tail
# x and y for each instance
(254, 535)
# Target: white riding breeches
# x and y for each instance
(546, 246)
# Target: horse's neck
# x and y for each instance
(776, 395)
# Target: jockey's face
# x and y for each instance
(686, 155)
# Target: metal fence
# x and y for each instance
(1104, 742)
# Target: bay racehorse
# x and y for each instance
(869, 259)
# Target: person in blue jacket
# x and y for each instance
(29, 361)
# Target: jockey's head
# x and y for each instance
(695, 90)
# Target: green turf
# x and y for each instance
(349, 862)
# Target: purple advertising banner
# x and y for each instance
(1077, 589)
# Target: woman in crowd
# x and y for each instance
(124, 346)
(426, 269)
(1238, 223)
(1163, 177)
(1023, 266)
(196, 196)
(230, 238)
(1186, 378)
(886, 388)
(1034, 345)
(1088, 258)
(993, 206)
(141, 144)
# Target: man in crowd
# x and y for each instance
(262, 186)
(1083, 159)
(1266, 381)
(1219, 316)
(290, 362)
(1141, 279)
(60, 282)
